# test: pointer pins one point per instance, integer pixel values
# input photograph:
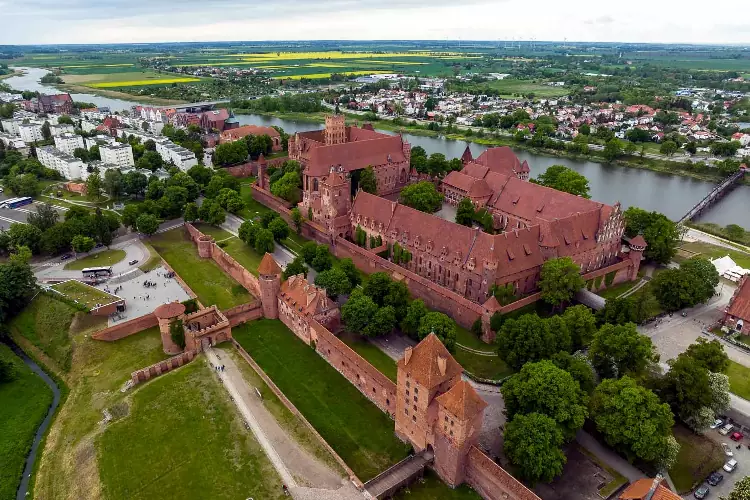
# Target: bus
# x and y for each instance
(93, 272)
(16, 202)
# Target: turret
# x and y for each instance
(637, 246)
(269, 280)
(166, 314)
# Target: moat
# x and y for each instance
(672, 195)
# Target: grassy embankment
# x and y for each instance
(359, 432)
(99, 259)
(203, 276)
(698, 457)
(24, 402)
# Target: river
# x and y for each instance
(672, 195)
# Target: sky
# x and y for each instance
(118, 21)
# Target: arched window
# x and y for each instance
(315, 184)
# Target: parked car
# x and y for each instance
(730, 466)
(717, 423)
(727, 450)
(133, 262)
(715, 478)
(701, 492)
(736, 436)
(66, 256)
(98, 245)
(726, 429)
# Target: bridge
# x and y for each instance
(715, 195)
(402, 474)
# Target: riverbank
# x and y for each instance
(654, 165)
(9, 75)
(114, 94)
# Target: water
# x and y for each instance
(31, 458)
(672, 195)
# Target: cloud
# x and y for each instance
(600, 20)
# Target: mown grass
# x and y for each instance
(615, 291)
(710, 251)
(189, 443)
(356, 429)
(45, 322)
(203, 276)
(698, 457)
(81, 293)
(24, 402)
(432, 488)
(99, 259)
(487, 367)
(244, 254)
(739, 379)
(217, 233)
(372, 354)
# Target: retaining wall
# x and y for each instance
(374, 385)
(126, 328)
(492, 481)
(161, 367)
(243, 313)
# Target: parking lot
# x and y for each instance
(742, 456)
(11, 216)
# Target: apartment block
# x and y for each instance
(68, 143)
(117, 154)
(67, 165)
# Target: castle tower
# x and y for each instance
(166, 313)
(460, 412)
(269, 279)
(262, 171)
(467, 156)
(637, 246)
(335, 131)
(205, 243)
(336, 201)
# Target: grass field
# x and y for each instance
(103, 258)
(432, 488)
(359, 432)
(710, 251)
(45, 322)
(615, 291)
(244, 254)
(377, 358)
(190, 443)
(203, 276)
(217, 233)
(739, 379)
(698, 457)
(83, 294)
(488, 367)
(23, 404)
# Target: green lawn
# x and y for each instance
(84, 294)
(359, 432)
(217, 232)
(710, 251)
(466, 338)
(432, 488)
(615, 291)
(698, 457)
(377, 358)
(189, 442)
(252, 208)
(99, 259)
(23, 404)
(203, 276)
(739, 379)
(489, 367)
(45, 322)
(244, 254)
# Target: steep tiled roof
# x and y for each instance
(355, 155)
(306, 299)
(429, 363)
(373, 207)
(462, 401)
(502, 160)
(640, 489)
(268, 265)
(459, 180)
(739, 307)
(638, 241)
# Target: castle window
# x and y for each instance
(414, 407)
(446, 418)
(451, 433)
(407, 382)
(451, 422)
(407, 392)
(416, 390)
(388, 401)
(415, 399)
(406, 411)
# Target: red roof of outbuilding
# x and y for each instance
(739, 307)
(169, 310)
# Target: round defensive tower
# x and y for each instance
(269, 279)
(166, 313)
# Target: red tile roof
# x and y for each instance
(739, 307)
(268, 265)
(169, 310)
(308, 300)
(640, 489)
(429, 363)
(462, 401)
(244, 131)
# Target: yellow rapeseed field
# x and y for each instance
(137, 83)
(99, 65)
(326, 75)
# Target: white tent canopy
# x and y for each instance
(729, 268)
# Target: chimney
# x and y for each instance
(654, 486)
(407, 355)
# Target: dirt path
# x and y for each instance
(295, 465)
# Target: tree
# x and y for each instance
(612, 150)
(367, 180)
(25, 235)
(529, 339)
(211, 212)
(619, 349)
(230, 200)
(397, 297)
(248, 231)
(581, 325)
(7, 370)
(334, 281)
(45, 217)
(422, 196)
(295, 267)
(264, 241)
(297, 219)
(230, 153)
(565, 179)
(82, 244)
(177, 332)
(705, 274)
(100, 227)
(308, 251)
(377, 287)
(668, 148)
(661, 234)
(441, 325)
(709, 354)
(533, 444)
(741, 490)
(182, 179)
(735, 232)
(191, 212)
(632, 419)
(560, 279)
(691, 147)
(172, 204)
(358, 312)
(129, 215)
(347, 265)
(579, 368)
(465, 212)
(113, 182)
(94, 185)
(382, 323)
(147, 224)
(687, 389)
(676, 289)
(323, 259)
(135, 183)
(562, 398)
(279, 228)
(415, 311)
(46, 132)
(17, 285)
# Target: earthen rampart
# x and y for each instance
(126, 328)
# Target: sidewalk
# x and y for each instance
(608, 456)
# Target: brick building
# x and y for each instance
(348, 149)
(737, 313)
(61, 104)
(235, 134)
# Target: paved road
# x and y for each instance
(695, 235)
(55, 268)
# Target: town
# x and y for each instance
(337, 311)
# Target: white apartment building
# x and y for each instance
(117, 154)
(30, 132)
(67, 142)
(98, 141)
(60, 129)
(68, 166)
(10, 126)
(12, 141)
(88, 126)
(170, 152)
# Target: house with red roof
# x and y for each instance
(232, 135)
(737, 313)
